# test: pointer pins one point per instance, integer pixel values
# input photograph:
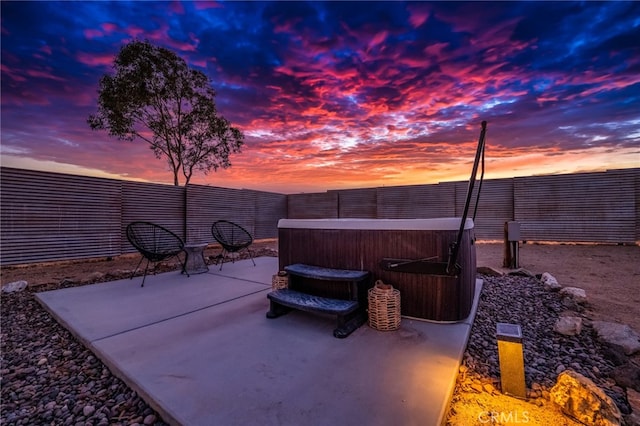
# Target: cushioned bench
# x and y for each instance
(350, 313)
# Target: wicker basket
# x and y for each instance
(384, 307)
(280, 281)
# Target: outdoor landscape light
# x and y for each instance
(511, 359)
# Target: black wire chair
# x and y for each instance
(232, 237)
(155, 243)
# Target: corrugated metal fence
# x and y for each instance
(52, 216)
(601, 207)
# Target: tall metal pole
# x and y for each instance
(452, 267)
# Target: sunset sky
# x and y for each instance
(334, 95)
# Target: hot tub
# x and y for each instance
(362, 244)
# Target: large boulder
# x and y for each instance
(579, 398)
(618, 335)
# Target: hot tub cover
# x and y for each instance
(436, 224)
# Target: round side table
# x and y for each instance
(194, 263)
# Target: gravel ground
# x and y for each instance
(523, 300)
(48, 377)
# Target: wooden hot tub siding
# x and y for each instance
(437, 298)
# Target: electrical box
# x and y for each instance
(513, 231)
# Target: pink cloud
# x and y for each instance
(378, 39)
(91, 33)
(109, 27)
(95, 59)
(418, 15)
(176, 7)
(203, 5)
(12, 73)
(43, 74)
(134, 32)
(161, 36)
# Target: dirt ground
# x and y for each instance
(610, 274)
(108, 269)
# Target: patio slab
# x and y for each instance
(200, 350)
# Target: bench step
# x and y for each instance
(310, 303)
(321, 273)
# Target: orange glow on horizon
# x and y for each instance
(332, 170)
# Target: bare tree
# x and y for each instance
(156, 97)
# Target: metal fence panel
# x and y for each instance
(494, 209)
(49, 216)
(358, 203)
(416, 201)
(582, 207)
(152, 202)
(322, 205)
(270, 208)
(207, 204)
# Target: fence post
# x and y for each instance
(508, 256)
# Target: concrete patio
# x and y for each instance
(200, 350)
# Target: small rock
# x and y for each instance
(627, 376)
(570, 304)
(633, 419)
(615, 355)
(477, 387)
(14, 286)
(568, 326)
(149, 420)
(550, 282)
(88, 410)
(634, 400)
(95, 276)
(521, 272)
(42, 361)
(486, 270)
(578, 295)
